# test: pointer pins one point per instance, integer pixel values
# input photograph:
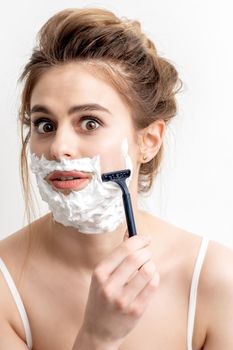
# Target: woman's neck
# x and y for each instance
(81, 250)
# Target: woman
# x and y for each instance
(97, 98)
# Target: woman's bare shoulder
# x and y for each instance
(13, 252)
(216, 290)
(17, 243)
(218, 262)
(217, 268)
(11, 324)
(215, 287)
(11, 245)
(14, 246)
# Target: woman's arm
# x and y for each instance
(218, 296)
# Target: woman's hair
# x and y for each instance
(117, 50)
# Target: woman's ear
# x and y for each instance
(150, 140)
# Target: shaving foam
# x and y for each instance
(97, 208)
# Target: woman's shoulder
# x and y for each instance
(17, 243)
(217, 272)
(14, 251)
(14, 245)
(216, 291)
(218, 260)
(11, 259)
(215, 286)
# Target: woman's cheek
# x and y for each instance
(111, 162)
(116, 159)
(38, 149)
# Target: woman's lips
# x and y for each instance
(76, 184)
(68, 180)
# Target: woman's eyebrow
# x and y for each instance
(74, 109)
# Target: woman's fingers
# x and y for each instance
(139, 304)
(131, 264)
(125, 291)
(110, 263)
(121, 287)
(136, 284)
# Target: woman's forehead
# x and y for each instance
(73, 82)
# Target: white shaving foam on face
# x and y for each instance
(97, 208)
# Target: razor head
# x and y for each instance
(116, 175)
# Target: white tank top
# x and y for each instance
(191, 308)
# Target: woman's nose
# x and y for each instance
(64, 144)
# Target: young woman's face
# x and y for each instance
(77, 115)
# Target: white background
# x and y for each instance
(194, 189)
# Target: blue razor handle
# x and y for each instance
(129, 214)
(119, 178)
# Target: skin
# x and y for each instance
(136, 288)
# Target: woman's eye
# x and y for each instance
(90, 124)
(43, 127)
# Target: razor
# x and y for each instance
(119, 177)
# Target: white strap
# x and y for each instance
(18, 302)
(193, 291)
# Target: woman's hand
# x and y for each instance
(122, 286)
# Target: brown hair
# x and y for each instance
(126, 56)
